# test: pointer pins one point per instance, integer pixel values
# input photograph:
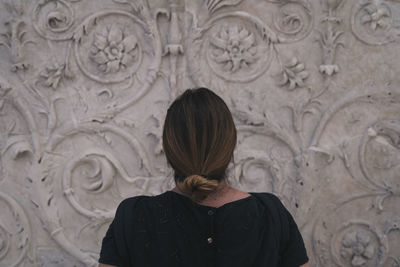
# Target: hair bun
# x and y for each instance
(197, 186)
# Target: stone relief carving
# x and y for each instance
(87, 87)
(240, 46)
(374, 23)
(15, 234)
(371, 157)
(114, 50)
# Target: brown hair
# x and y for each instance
(199, 137)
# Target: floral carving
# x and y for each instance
(114, 50)
(377, 16)
(292, 74)
(374, 23)
(329, 42)
(53, 74)
(329, 38)
(356, 246)
(235, 47)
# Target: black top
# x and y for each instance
(171, 230)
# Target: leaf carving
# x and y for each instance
(214, 5)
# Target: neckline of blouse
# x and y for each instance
(211, 207)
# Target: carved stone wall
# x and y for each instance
(313, 86)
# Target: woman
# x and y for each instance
(203, 221)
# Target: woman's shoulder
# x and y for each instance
(274, 207)
(141, 200)
(269, 199)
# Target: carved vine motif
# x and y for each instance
(53, 19)
(17, 142)
(387, 133)
(240, 46)
(15, 233)
(116, 41)
(273, 169)
(15, 38)
(329, 38)
(373, 22)
(214, 5)
(91, 173)
(375, 168)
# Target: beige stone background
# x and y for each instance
(313, 86)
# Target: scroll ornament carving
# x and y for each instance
(53, 20)
(103, 165)
(294, 20)
(373, 22)
(91, 173)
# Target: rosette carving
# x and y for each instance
(362, 239)
(233, 48)
(115, 50)
(373, 22)
(237, 45)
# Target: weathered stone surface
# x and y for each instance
(313, 86)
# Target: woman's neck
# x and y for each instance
(222, 195)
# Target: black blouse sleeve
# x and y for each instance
(292, 250)
(109, 254)
(112, 252)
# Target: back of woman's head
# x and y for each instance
(199, 137)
